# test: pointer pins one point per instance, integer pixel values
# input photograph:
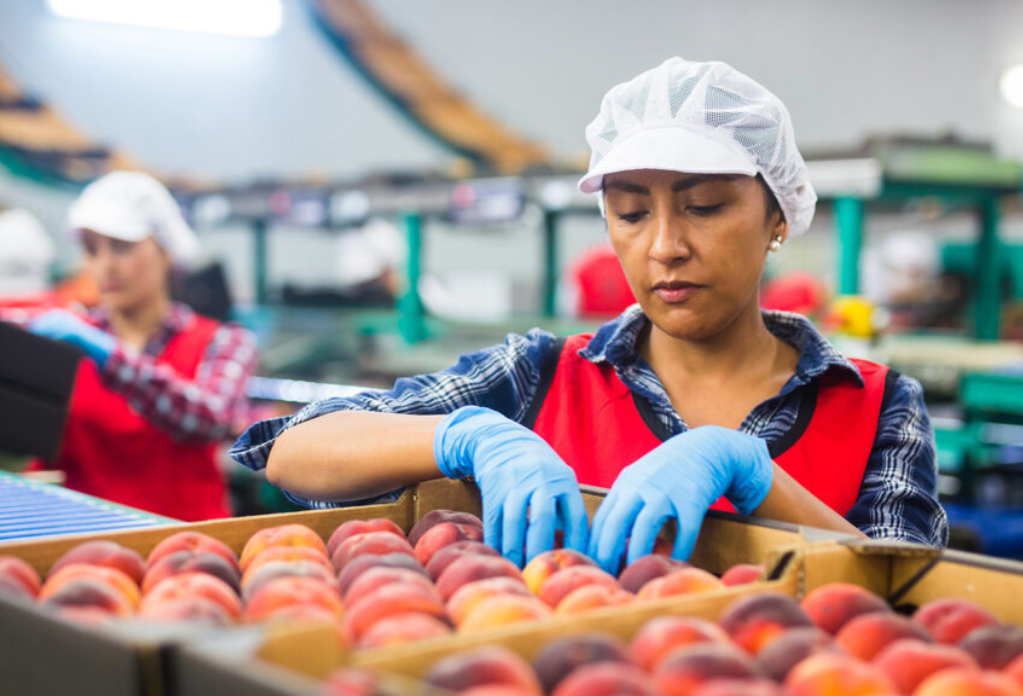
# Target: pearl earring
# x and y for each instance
(775, 244)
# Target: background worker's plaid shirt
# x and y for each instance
(898, 498)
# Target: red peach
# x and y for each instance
(682, 671)
(755, 620)
(187, 562)
(662, 635)
(489, 665)
(468, 596)
(195, 585)
(966, 682)
(740, 687)
(829, 673)
(994, 647)
(647, 568)
(949, 620)
(680, 582)
(449, 554)
(742, 574)
(20, 572)
(369, 544)
(353, 527)
(833, 605)
(111, 576)
(468, 569)
(444, 534)
(312, 614)
(89, 592)
(1014, 670)
(403, 628)
(563, 582)
(283, 535)
(375, 578)
(351, 681)
(868, 634)
(9, 587)
(288, 554)
(286, 592)
(195, 610)
(357, 566)
(562, 656)
(107, 554)
(256, 578)
(607, 679)
(547, 563)
(390, 600)
(908, 662)
(501, 610)
(590, 597)
(85, 614)
(196, 542)
(792, 647)
(435, 517)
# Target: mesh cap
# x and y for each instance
(700, 118)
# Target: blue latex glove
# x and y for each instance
(679, 480)
(61, 325)
(515, 470)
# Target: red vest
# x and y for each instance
(603, 289)
(598, 426)
(112, 452)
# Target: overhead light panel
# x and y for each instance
(1011, 86)
(254, 18)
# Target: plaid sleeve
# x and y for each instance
(899, 496)
(200, 409)
(502, 378)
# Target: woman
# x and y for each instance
(160, 385)
(692, 399)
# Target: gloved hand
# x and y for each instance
(679, 480)
(61, 325)
(515, 470)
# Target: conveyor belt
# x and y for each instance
(30, 509)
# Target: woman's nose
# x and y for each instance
(669, 243)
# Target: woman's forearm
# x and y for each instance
(351, 455)
(788, 501)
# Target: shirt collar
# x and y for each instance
(615, 344)
(176, 319)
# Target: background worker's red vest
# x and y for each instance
(112, 452)
(598, 426)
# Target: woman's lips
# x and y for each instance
(676, 293)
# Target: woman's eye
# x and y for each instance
(631, 218)
(705, 210)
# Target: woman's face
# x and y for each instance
(127, 274)
(693, 246)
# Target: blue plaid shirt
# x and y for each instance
(898, 499)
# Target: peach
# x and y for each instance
(89, 592)
(908, 662)
(563, 582)
(444, 534)
(949, 620)
(547, 563)
(489, 665)
(589, 597)
(682, 671)
(10, 587)
(196, 542)
(966, 682)
(283, 535)
(606, 679)
(826, 674)
(435, 517)
(187, 562)
(375, 578)
(353, 527)
(468, 596)
(369, 544)
(390, 600)
(680, 582)
(496, 690)
(868, 634)
(403, 628)
(502, 610)
(358, 566)
(256, 578)
(111, 576)
(195, 585)
(831, 606)
(662, 635)
(995, 646)
(107, 554)
(755, 620)
(312, 614)
(85, 614)
(288, 554)
(468, 569)
(449, 554)
(742, 574)
(740, 687)
(290, 591)
(18, 571)
(792, 647)
(351, 681)
(647, 568)
(196, 610)
(562, 656)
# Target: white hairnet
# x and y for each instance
(26, 252)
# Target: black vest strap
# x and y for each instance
(547, 372)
